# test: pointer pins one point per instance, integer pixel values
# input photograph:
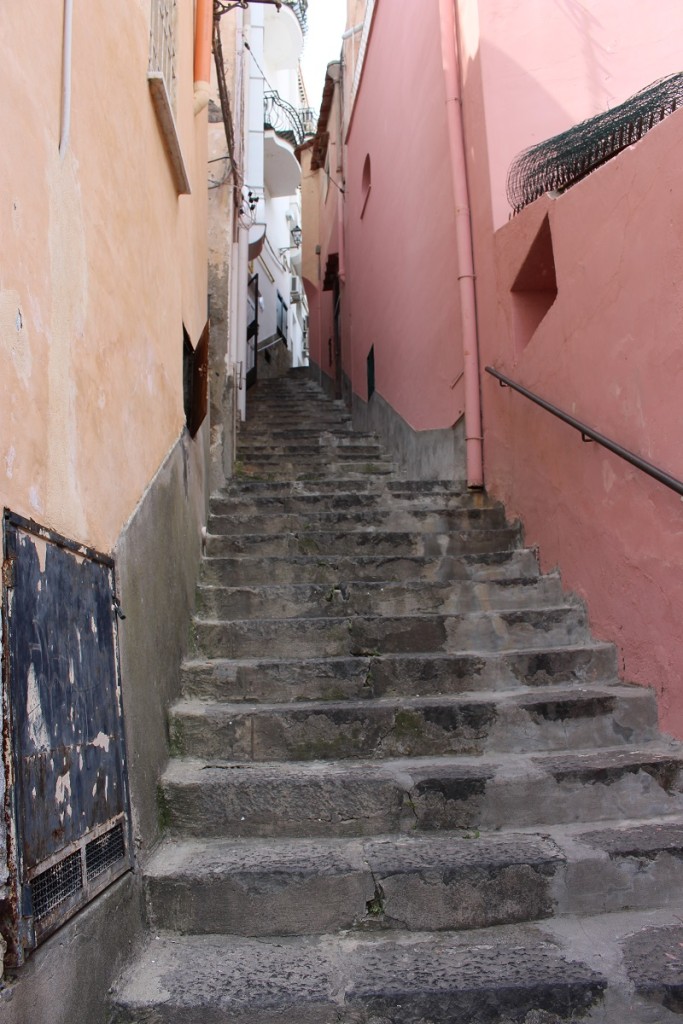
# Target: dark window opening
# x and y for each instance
(371, 372)
(281, 318)
(195, 380)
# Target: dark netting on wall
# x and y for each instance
(558, 163)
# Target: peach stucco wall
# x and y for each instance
(400, 250)
(609, 352)
(548, 64)
(101, 265)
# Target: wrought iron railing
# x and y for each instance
(558, 163)
(285, 120)
(298, 7)
(589, 434)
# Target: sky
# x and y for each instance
(326, 22)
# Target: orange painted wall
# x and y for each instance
(101, 264)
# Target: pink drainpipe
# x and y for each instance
(463, 230)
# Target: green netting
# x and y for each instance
(558, 163)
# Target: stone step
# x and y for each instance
(400, 520)
(332, 485)
(334, 570)
(376, 634)
(312, 470)
(312, 501)
(258, 448)
(311, 600)
(550, 719)
(379, 979)
(365, 542)
(618, 968)
(311, 436)
(223, 798)
(449, 881)
(396, 675)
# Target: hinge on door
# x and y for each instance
(8, 576)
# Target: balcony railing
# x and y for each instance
(300, 8)
(285, 120)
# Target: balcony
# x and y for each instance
(286, 121)
(284, 36)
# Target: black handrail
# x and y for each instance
(587, 433)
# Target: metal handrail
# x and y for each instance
(588, 434)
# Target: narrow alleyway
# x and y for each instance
(406, 784)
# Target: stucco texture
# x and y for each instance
(608, 352)
(102, 263)
(402, 274)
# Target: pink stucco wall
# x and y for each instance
(548, 64)
(609, 352)
(401, 291)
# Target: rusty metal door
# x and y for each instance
(67, 794)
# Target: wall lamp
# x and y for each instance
(297, 235)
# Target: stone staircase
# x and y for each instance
(407, 786)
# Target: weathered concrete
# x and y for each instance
(66, 980)
(157, 558)
(422, 454)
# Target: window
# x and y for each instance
(366, 184)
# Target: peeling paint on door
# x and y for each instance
(67, 765)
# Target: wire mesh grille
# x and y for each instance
(103, 852)
(558, 163)
(56, 885)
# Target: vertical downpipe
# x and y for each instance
(66, 78)
(202, 54)
(463, 230)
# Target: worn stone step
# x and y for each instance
(395, 675)
(310, 436)
(337, 569)
(223, 798)
(377, 634)
(315, 600)
(450, 881)
(399, 520)
(336, 484)
(487, 977)
(258, 448)
(366, 542)
(312, 501)
(313, 470)
(550, 719)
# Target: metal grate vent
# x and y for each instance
(102, 853)
(56, 885)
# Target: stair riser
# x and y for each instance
(307, 471)
(422, 898)
(304, 638)
(413, 731)
(243, 802)
(394, 521)
(265, 505)
(454, 598)
(334, 570)
(318, 903)
(427, 545)
(356, 678)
